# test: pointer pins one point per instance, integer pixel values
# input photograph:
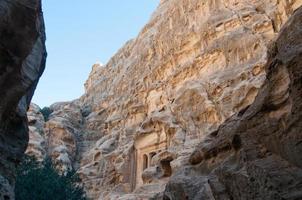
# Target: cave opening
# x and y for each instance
(145, 162)
(166, 167)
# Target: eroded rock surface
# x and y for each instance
(36, 122)
(22, 61)
(57, 135)
(164, 94)
(256, 154)
(193, 66)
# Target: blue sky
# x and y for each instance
(81, 33)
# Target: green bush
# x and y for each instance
(46, 111)
(43, 182)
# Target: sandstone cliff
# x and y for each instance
(22, 61)
(193, 67)
(256, 154)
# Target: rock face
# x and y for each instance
(36, 122)
(256, 154)
(195, 66)
(61, 132)
(56, 136)
(22, 61)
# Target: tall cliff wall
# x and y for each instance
(256, 154)
(159, 99)
(22, 61)
(194, 65)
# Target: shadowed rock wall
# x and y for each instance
(22, 61)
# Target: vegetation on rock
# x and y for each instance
(43, 182)
(46, 111)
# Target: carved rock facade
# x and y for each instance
(193, 66)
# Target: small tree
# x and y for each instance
(42, 182)
(46, 111)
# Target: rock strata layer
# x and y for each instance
(22, 61)
(164, 95)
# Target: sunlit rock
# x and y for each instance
(155, 110)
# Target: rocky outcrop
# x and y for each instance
(57, 135)
(22, 61)
(61, 131)
(256, 154)
(36, 122)
(164, 94)
(193, 66)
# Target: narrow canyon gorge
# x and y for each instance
(204, 104)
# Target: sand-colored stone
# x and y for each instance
(192, 67)
(36, 122)
(256, 154)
